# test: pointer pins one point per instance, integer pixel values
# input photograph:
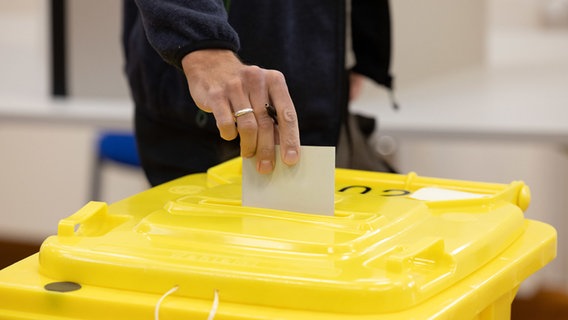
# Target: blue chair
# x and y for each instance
(112, 147)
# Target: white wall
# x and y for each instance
(24, 54)
(529, 13)
(45, 172)
(95, 55)
(436, 37)
(45, 166)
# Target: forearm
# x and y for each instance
(176, 28)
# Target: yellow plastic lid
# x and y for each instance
(394, 242)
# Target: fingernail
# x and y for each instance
(291, 157)
(265, 166)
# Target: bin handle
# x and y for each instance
(426, 251)
(93, 213)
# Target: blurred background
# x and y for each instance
(482, 86)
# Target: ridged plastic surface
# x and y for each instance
(385, 254)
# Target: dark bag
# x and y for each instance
(371, 35)
(354, 150)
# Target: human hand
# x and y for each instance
(220, 83)
(356, 81)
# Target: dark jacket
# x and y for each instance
(304, 39)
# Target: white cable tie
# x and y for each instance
(212, 312)
(164, 296)
(214, 306)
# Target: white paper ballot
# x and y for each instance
(307, 187)
(440, 194)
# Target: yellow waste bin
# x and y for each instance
(397, 247)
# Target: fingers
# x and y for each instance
(221, 109)
(288, 131)
(265, 142)
(221, 84)
(257, 129)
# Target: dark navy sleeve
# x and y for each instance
(177, 27)
(371, 34)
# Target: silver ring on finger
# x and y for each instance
(242, 112)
